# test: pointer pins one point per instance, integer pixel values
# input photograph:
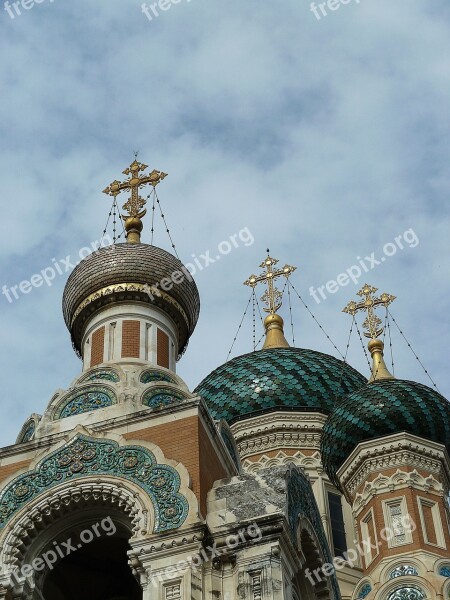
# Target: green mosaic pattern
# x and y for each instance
(379, 409)
(29, 432)
(160, 397)
(85, 456)
(105, 374)
(87, 400)
(290, 378)
(155, 376)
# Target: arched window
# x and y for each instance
(407, 593)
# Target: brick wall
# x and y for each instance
(131, 339)
(97, 346)
(187, 442)
(162, 345)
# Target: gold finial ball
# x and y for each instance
(375, 345)
(133, 223)
(274, 320)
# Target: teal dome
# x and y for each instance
(278, 378)
(379, 409)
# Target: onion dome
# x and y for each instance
(131, 271)
(278, 378)
(379, 409)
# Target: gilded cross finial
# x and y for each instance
(272, 296)
(273, 323)
(372, 322)
(374, 327)
(135, 203)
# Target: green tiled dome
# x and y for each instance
(379, 409)
(287, 378)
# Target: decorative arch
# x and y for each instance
(103, 374)
(20, 539)
(84, 456)
(28, 431)
(84, 399)
(306, 527)
(159, 397)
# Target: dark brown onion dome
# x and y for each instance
(107, 276)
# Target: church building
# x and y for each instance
(285, 475)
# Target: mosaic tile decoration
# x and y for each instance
(379, 409)
(407, 593)
(290, 378)
(403, 570)
(154, 376)
(160, 397)
(364, 591)
(445, 571)
(103, 374)
(28, 433)
(85, 456)
(87, 400)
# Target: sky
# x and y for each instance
(322, 135)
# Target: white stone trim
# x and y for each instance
(401, 449)
(399, 480)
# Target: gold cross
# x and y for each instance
(372, 322)
(272, 296)
(135, 203)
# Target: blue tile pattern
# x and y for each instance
(105, 374)
(445, 571)
(383, 408)
(155, 376)
(402, 570)
(160, 397)
(407, 593)
(364, 591)
(85, 401)
(290, 378)
(84, 456)
(29, 432)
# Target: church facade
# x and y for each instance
(285, 475)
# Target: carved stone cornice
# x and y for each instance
(394, 451)
(278, 430)
(306, 462)
(399, 480)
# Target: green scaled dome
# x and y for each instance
(379, 409)
(283, 378)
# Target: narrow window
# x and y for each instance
(337, 524)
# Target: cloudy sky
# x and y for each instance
(327, 138)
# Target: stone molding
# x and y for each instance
(399, 480)
(277, 430)
(395, 451)
(306, 462)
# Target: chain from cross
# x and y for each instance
(372, 322)
(135, 203)
(272, 296)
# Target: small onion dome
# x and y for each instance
(107, 276)
(278, 378)
(380, 409)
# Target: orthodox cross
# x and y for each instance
(135, 203)
(372, 322)
(272, 296)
